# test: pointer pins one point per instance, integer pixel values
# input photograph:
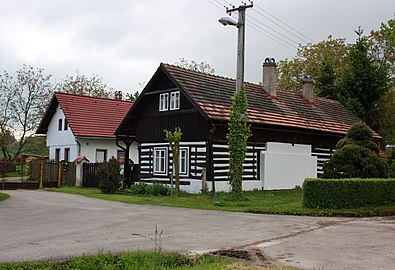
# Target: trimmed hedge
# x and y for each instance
(347, 193)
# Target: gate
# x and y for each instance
(90, 178)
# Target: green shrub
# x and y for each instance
(156, 189)
(356, 156)
(109, 176)
(347, 193)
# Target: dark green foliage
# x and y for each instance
(238, 134)
(391, 164)
(347, 193)
(363, 83)
(326, 79)
(156, 189)
(356, 156)
(109, 176)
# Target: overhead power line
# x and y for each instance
(257, 27)
(284, 23)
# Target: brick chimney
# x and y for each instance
(118, 95)
(269, 79)
(308, 88)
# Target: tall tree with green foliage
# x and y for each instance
(238, 134)
(325, 80)
(308, 60)
(363, 83)
(382, 46)
(356, 156)
(174, 139)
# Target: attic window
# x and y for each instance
(60, 125)
(175, 100)
(163, 102)
(65, 124)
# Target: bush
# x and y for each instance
(156, 189)
(109, 176)
(356, 156)
(347, 193)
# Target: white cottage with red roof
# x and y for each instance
(83, 126)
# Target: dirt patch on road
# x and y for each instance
(254, 256)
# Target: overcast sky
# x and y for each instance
(124, 41)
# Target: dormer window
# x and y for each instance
(164, 102)
(175, 100)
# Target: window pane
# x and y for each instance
(101, 155)
(60, 124)
(183, 161)
(57, 154)
(67, 154)
(65, 124)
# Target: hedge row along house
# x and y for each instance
(293, 134)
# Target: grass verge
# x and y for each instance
(4, 196)
(137, 260)
(285, 202)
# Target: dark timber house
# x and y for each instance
(292, 133)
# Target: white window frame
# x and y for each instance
(175, 100)
(186, 150)
(159, 170)
(164, 102)
(104, 151)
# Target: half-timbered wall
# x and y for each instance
(322, 154)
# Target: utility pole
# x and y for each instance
(240, 41)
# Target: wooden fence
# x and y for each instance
(90, 178)
(51, 172)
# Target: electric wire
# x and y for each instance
(256, 27)
(310, 40)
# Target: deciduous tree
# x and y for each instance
(174, 138)
(24, 100)
(308, 60)
(83, 85)
(195, 66)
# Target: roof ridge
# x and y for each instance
(84, 96)
(197, 71)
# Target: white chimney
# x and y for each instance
(308, 88)
(269, 79)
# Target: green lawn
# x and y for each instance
(264, 202)
(4, 196)
(137, 260)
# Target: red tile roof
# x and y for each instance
(87, 116)
(213, 95)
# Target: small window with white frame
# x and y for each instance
(163, 102)
(160, 160)
(175, 100)
(184, 158)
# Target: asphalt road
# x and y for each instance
(37, 225)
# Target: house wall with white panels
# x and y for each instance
(285, 166)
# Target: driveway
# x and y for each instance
(36, 225)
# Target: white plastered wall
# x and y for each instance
(60, 139)
(90, 145)
(285, 166)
